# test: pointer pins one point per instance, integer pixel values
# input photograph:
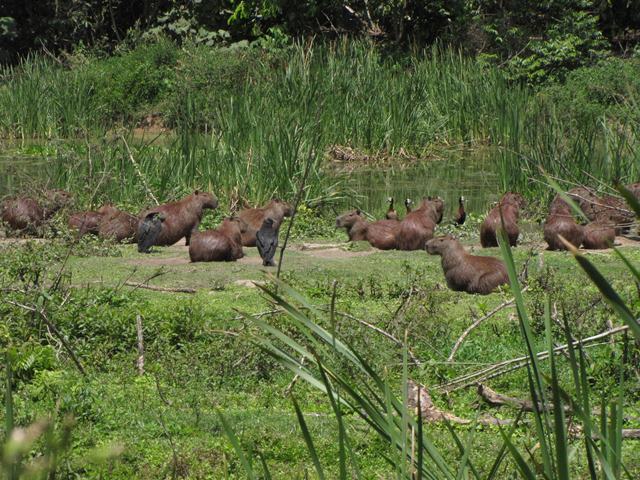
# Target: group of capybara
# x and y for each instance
(166, 224)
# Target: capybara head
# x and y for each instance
(438, 245)
(349, 219)
(205, 199)
(57, 199)
(107, 209)
(512, 198)
(285, 208)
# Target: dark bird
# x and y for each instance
(461, 215)
(407, 203)
(149, 231)
(267, 241)
(391, 213)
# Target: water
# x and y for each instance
(470, 176)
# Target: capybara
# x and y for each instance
(221, 245)
(381, 234)
(89, 222)
(119, 226)
(465, 272)
(276, 209)
(598, 235)
(509, 207)
(181, 218)
(267, 242)
(461, 214)
(603, 209)
(418, 226)
(391, 213)
(26, 213)
(148, 231)
(561, 222)
(634, 188)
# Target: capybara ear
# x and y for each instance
(196, 192)
(358, 211)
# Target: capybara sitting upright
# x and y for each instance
(254, 217)
(561, 222)
(181, 218)
(381, 234)
(465, 272)
(221, 245)
(418, 226)
(509, 207)
(119, 226)
(598, 236)
(89, 222)
(26, 213)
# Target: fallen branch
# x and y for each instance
(431, 413)
(496, 399)
(508, 365)
(140, 359)
(160, 289)
(477, 323)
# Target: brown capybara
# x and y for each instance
(355, 225)
(26, 213)
(598, 236)
(254, 217)
(418, 226)
(465, 272)
(89, 222)
(604, 208)
(119, 226)
(634, 188)
(381, 234)
(181, 218)
(561, 222)
(391, 213)
(509, 207)
(221, 245)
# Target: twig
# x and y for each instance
(138, 172)
(307, 168)
(474, 377)
(496, 399)
(140, 360)
(160, 289)
(477, 323)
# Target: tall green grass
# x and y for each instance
(247, 134)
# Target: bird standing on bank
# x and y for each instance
(407, 204)
(461, 215)
(267, 242)
(391, 213)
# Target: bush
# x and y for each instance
(610, 89)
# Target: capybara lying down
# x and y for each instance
(419, 224)
(181, 218)
(88, 222)
(221, 245)
(603, 208)
(598, 236)
(381, 234)
(26, 213)
(561, 222)
(254, 217)
(119, 226)
(509, 206)
(465, 272)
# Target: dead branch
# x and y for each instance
(508, 365)
(139, 172)
(140, 359)
(160, 289)
(477, 323)
(496, 399)
(431, 413)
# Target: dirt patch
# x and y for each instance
(158, 261)
(248, 283)
(250, 261)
